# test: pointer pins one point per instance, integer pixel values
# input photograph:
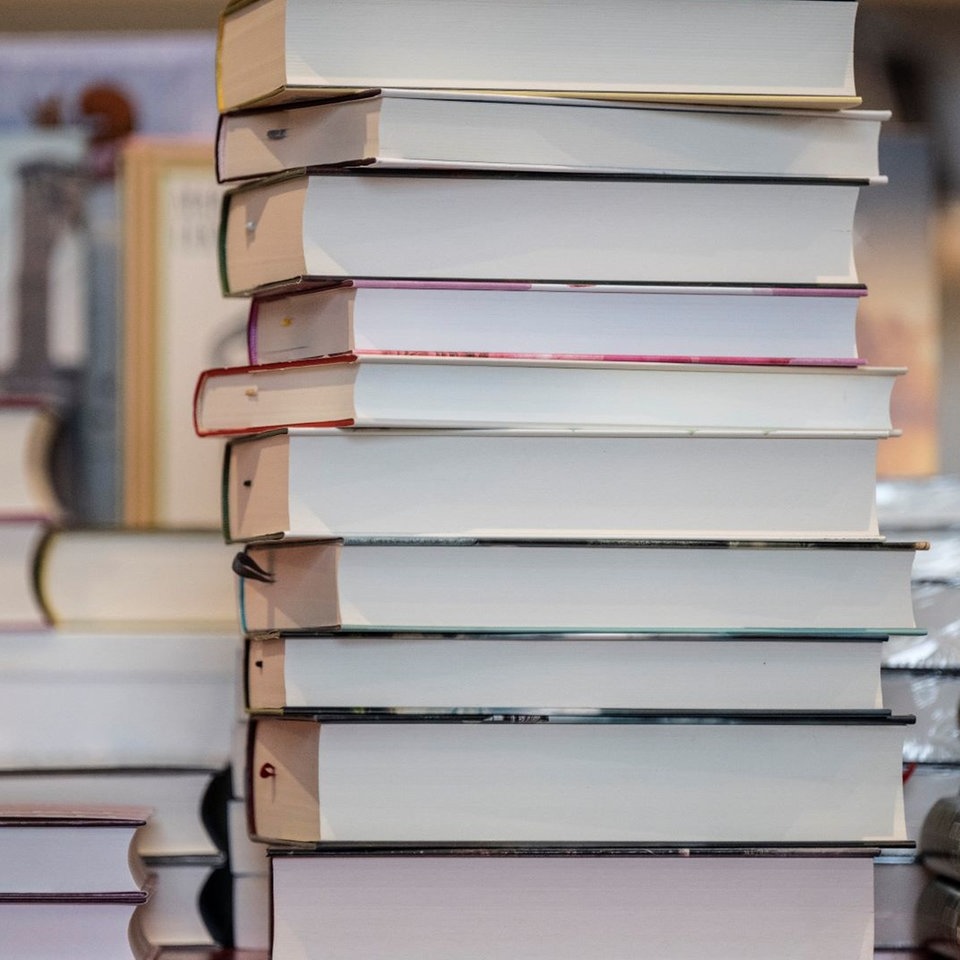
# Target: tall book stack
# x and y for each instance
(552, 478)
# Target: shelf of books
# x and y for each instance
(550, 480)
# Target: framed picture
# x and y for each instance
(176, 323)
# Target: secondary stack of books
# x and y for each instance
(552, 474)
(124, 697)
(72, 883)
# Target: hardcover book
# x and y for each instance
(430, 129)
(431, 225)
(600, 585)
(548, 485)
(630, 776)
(784, 51)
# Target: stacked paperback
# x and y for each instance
(552, 478)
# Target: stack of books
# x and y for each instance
(552, 478)
(72, 883)
(123, 695)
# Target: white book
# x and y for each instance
(779, 49)
(570, 904)
(415, 128)
(630, 586)
(549, 485)
(135, 579)
(91, 930)
(431, 225)
(56, 851)
(705, 323)
(411, 391)
(70, 699)
(176, 795)
(591, 778)
(294, 673)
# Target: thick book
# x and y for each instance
(128, 579)
(411, 391)
(415, 672)
(633, 586)
(790, 325)
(470, 225)
(590, 776)
(184, 822)
(792, 51)
(60, 852)
(108, 698)
(102, 929)
(566, 903)
(549, 485)
(404, 128)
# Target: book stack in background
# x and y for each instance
(72, 882)
(921, 674)
(552, 474)
(125, 697)
(117, 659)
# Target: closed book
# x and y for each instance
(490, 585)
(644, 777)
(109, 698)
(102, 929)
(433, 225)
(415, 672)
(410, 391)
(566, 903)
(127, 579)
(796, 325)
(62, 852)
(792, 50)
(183, 800)
(405, 128)
(550, 485)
